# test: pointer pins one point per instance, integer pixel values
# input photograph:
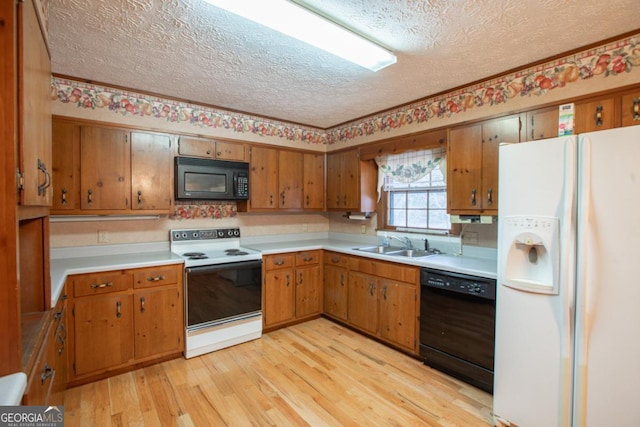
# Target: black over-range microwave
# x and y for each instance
(207, 179)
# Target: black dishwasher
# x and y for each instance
(457, 325)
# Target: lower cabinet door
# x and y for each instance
(103, 332)
(279, 294)
(335, 291)
(308, 291)
(363, 301)
(398, 314)
(158, 322)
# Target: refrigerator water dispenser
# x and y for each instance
(532, 260)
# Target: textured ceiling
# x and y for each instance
(193, 51)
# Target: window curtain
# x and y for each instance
(410, 166)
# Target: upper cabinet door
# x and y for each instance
(264, 178)
(151, 166)
(66, 165)
(598, 114)
(35, 109)
(290, 179)
(105, 180)
(313, 181)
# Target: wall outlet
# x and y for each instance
(363, 229)
(471, 238)
(305, 228)
(103, 236)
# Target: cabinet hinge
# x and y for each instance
(73, 311)
(19, 180)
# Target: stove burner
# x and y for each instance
(193, 254)
(235, 252)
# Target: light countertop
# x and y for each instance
(91, 259)
(483, 267)
(79, 260)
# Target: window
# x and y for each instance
(414, 190)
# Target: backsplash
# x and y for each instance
(192, 210)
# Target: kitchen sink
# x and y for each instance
(396, 251)
(379, 249)
(411, 253)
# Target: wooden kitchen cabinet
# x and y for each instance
(263, 178)
(630, 108)
(542, 123)
(292, 287)
(285, 180)
(105, 170)
(123, 318)
(398, 310)
(336, 291)
(383, 301)
(151, 172)
(351, 182)
(472, 164)
(596, 114)
(313, 177)
(363, 301)
(103, 332)
(105, 173)
(290, 179)
(34, 105)
(65, 166)
(212, 149)
(308, 284)
(48, 379)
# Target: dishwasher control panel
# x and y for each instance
(461, 283)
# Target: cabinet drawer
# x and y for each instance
(273, 262)
(403, 273)
(92, 284)
(333, 258)
(147, 277)
(307, 257)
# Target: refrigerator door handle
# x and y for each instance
(567, 282)
(584, 299)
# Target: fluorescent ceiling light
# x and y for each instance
(293, 20)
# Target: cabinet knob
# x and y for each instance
(142, 305)
(635, 109)
(89, 196)
(490, 196)
(63, 199)
(47, 372)
(139, 198)
(598, 116)
(473, 197)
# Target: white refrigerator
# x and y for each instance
(568, 299)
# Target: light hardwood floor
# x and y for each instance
(316, 373)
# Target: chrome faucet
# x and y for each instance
(405, 240)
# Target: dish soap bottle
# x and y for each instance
(385, 241)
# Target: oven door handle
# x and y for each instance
(225, 266)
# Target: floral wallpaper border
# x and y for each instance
(205, 209)
(608, 60)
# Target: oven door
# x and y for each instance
(222, 293)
